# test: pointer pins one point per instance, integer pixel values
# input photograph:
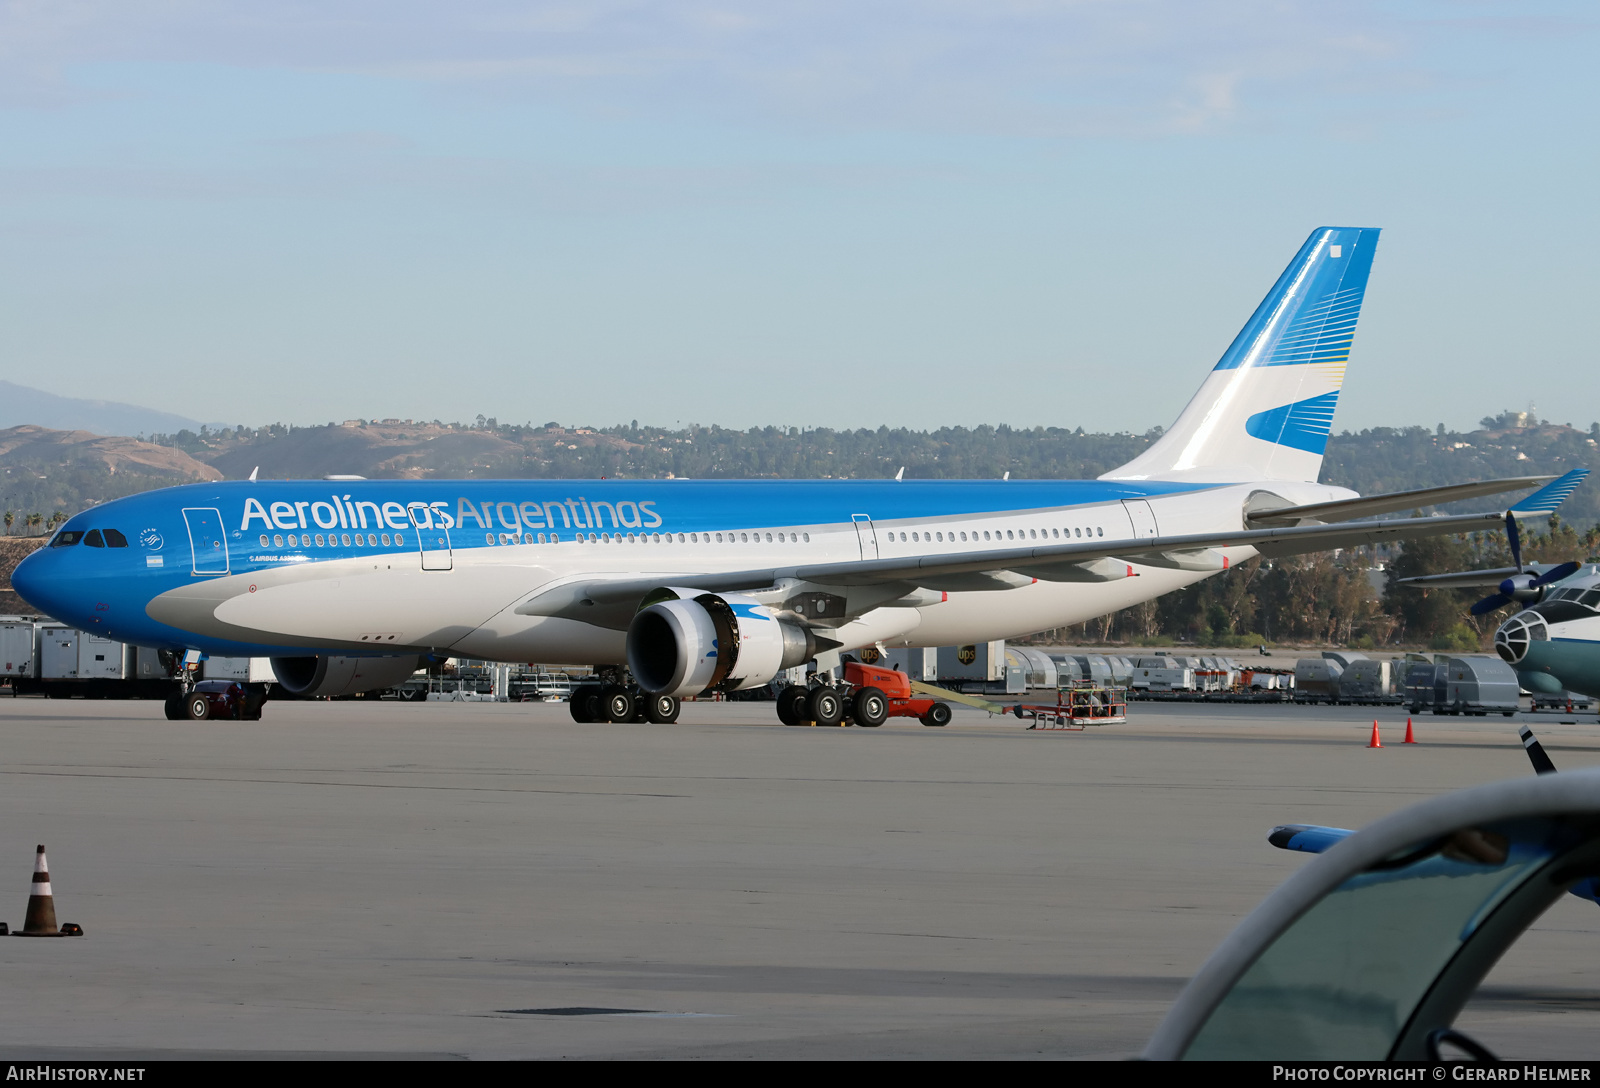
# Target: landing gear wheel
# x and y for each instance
(175, 708)
(619, 705)
(196, 708)
(792, 705)
(825, 706)
(579, 702)
(870, 707)
(660, 709)
(938, 715)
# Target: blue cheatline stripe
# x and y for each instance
(1303, 425)
(1552, 494)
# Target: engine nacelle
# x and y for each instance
(687, 642)
(324, 676)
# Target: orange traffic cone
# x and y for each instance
(1411, 738)
(41, 920)
(1375, 742)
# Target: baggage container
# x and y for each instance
(1316, 680)
(1368, 681)
(1479, 684)
(1038, 670)
(1424, 685)
(1097, 670)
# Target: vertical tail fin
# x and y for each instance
(1266, 410)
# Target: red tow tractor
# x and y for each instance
(867, 696)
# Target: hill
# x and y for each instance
(21, 405)
(43, 472)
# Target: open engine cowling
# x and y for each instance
(324, 676)
(692, 642)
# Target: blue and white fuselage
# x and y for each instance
(700, 584)
(279, 568)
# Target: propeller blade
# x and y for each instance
(1514, 538)
(1555, 574)
(1489, 604)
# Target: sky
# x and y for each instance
(801, 214)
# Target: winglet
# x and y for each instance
(1551, 495)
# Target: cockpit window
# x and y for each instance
(1591, 597)
(115, 539)
(66, 539)
(92, 538)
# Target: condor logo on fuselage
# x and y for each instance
(343, 512)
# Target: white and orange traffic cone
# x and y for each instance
(1375, 742)
(41, 919)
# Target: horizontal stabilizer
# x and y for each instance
(1547, 498)
(1373, 505)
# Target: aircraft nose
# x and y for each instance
(1515, 635)
(32, 582)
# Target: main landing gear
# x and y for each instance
(614, 702)
(828, 705)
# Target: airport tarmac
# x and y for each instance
(407, 880)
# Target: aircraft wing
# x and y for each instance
(610, 601)
(1473, 579)
(1195, 551)
(1002, 568)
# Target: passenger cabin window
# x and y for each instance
(92, 538)
(115, 539)
(66, 539)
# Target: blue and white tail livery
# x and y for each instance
(683, 586)
(1266, 410)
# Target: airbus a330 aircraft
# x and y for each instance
(688, 586)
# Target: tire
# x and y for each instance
(196, 708)
(579, 705)
(175, 708)
(660, 709)
(618, 706)
(870, 707)
(938, 715)
(792, 705)
(825, 706)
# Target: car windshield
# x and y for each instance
(1343, 980)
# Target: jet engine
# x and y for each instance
(323, 676)
(684, 643)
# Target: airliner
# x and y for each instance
(684, 587)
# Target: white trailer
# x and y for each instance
(101, 658)
(19, 649)
(58, 651)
